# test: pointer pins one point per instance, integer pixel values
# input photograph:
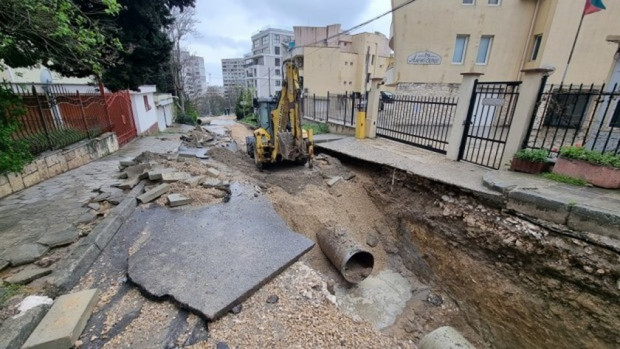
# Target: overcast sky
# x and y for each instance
(226, 25)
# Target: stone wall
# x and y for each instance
(51, 164)
(428, 89)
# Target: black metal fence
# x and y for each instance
(491, 110)
(339, 109)
(56, 117)
(421, 121)
(576, 115)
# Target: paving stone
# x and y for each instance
(94, 206)
(86, 217)
(101, 197)
(175, 200)
(15, 331)
(212, 183)
(194, 181)
(349, 176)
(28, 274)
(170, 177)
(65, 321)
(129, 183)
(127, 162)
(153, 193)
(332, 181)
(3, 264)
(24, 254)
(140, 171)
(60, 238)
(247, 230)
(372, 240)
(155, 174)
(213, 172)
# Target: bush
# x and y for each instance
(250, 120)
(591, 156)
(14, 153)
(317, 129)
(190, 117)
(533, 155)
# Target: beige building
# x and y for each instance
(435, 41)
(336, 63)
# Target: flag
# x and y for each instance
(593, 6)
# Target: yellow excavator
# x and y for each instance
(280, 136)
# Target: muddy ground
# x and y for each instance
(502, 281)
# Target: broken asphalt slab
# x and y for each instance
(24, 254)
(214, 257)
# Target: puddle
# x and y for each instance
(378, 299)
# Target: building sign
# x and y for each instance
(424, 58)
(497, 102)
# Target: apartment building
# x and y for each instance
(330, 62)
(233, 73)
(194, 75)
(435, 41)
(263, 66)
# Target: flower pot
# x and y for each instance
(527, 166)
(597, 175)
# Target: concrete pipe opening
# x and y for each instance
(348, 256)
(358, 267)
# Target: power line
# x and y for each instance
(359, 25)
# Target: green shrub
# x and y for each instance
(250, 120)
(190, 117)
(534, 155)
(14, 153)
(591, 156)
(317, 129)
(565, 179)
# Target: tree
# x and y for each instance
(184, 25)
(14, 154)
(147, 48)
(244, 105)
(61, 34)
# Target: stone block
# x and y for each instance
(193, 182)
(153, 193)
(42, 168)
(52, 160)
(332, 181)
(175, 200)
(3, 264)
(129, 183)
(15, 331)
(537, 204)
(65, 321)
(5, 189)
(155, 175)
(213, 172)
(32, 179)
(170, 177)
(61, 238)
(28, 274)
(69, 155)
(24, 254)
(54, 170)
(127, 162)
(86, 217)
(3, 180)
(16, 182)
(30, 168)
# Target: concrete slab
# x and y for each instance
(213, 257)
(174, 177)
(153, 193)
(193, 182)
(332, 181)
(28, 274)
(65, 321)
(3, 264)
(129, 183)
(175, 200)
(213, 172)
(155, 175)
(15, 331)
(24, 254)
(537, 203)
(60, 238)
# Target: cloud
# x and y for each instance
(226, 26)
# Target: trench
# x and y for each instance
(502, 281)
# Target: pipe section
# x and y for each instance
(445, 338)
(348, 256)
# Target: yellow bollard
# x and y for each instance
(360, 125)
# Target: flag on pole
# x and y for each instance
(593, 6)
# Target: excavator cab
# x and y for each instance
(280, 136)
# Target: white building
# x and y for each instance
(194, 75)
(233, 73)
(263, 66)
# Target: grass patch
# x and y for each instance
(317, 129)
(7, 291)
(565, 179)
(250, 120)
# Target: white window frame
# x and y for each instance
(536, 47)
(499, 3)
(488, 53)
(473, 2)
(464, 49)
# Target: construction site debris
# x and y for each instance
(28, 274)
(273, 299)
(332, 181)
(175, 200)
(197, 138)
(372, 240)
(153, 193)
(213, 172)
(445, 337)
(349, 257)
(169, 177)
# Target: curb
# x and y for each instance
(71, 269)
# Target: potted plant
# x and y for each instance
(599, 169)
(530, 161)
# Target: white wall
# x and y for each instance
(145, 118)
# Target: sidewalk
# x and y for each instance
(583, 209)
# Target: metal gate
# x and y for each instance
(421, 121)
(121, 116)
(491, 110)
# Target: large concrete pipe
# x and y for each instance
(353, 261)
(445, 338)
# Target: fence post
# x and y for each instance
(372, 107)
(105, 106)
(460, 117)
(353, 108)
(42, 117)
(524, 111)
(83, 113)
(327, 114)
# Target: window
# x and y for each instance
(276, 50)
(536, 47)
(265, 40)
(277, 71)
(277, 82)
(469, 2)
(372, 60)
(147, 106)
(566, 109)
(278, 62)
(276, 38)
(495, 2)
(256, 42)
(368, 78)
(484, 50)
(460, 47)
